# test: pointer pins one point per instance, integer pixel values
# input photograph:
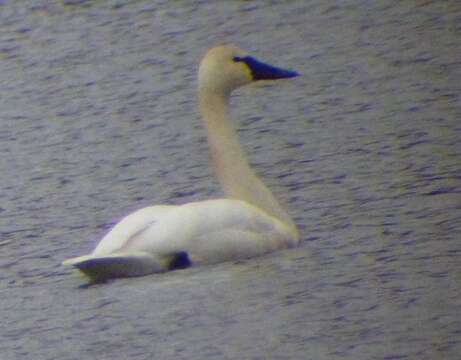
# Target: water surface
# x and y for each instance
(99, 118)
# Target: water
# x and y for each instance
(98, 118)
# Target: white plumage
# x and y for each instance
(248, 222)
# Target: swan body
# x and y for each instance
(248, 222)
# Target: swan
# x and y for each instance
(248, 222)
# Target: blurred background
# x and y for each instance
(98, 117)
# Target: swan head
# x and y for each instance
(227, 67)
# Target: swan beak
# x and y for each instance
(262, 71)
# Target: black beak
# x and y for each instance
(262, 71)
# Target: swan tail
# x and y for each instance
(102, 268)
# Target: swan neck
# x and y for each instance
(214, 105)
(229, 161)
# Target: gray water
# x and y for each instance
(99, 118)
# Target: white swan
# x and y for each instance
(247, 223)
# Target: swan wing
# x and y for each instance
(110, 259)
(130, 227)
(214, 230)
(230, 244)
(101, 268)
(160, 238)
